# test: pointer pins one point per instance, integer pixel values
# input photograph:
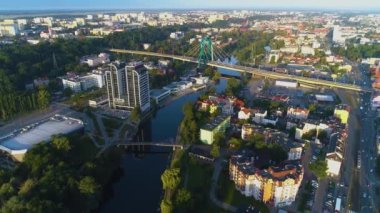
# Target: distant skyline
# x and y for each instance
(189, 4)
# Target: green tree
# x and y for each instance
(319, 168)
(166, 206)
(135, 114)
(43, 98)
(27, 187)
(182, 197)
(171, 178)
(14, 204)
(61, 143)
(235, 143)
(215, 151)
(272, 60)
(216, 76)
(88, 186)
(233, 87)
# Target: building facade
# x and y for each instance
(219, 124)
(128, 86)
(277, 186)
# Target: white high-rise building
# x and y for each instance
(337, 35)
(128, 86)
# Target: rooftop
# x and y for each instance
(19, 141)
(215, 122)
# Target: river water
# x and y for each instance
(140, 189)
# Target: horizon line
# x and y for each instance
(199, 8)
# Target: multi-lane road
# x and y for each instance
(368, 180)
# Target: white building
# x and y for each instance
(298, 113)
(244, 114)
(201, 80)
(18, 142)
(334, 162)
(306, 127)
(290, 50)
(128, 86)
(165, 16)
(337, 36)
(82, 83)
(93, 60)
(259, 116)
(305, 50)
(9, 30)
(286, 83)
(177, 35)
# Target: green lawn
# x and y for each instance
(227, 193)
(111, 124)
(199, 184)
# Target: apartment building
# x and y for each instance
(218, 124)
(277, 186)
(128, 86)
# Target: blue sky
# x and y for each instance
(183, 4)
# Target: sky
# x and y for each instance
(188, 4)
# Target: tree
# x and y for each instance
(233, 86)
(26, 187)
(61, 144)
(273, 60)
(215, 150)
(235, 143)
(166, 206)
(171, 178)
(183, 196)
(88, 186)
(312, 107)
(135, 114)
(319, 168)
(14, 204)
(216, 76)
(43, 98)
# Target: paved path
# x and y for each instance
(215, 177)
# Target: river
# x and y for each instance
(140, 189)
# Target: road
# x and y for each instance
(218, 166)
(368, 180)
(251, 70)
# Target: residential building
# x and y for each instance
(259, 116)
(177, 35)
(158, 95)
(83, 83)
(9, 29)
(307, 126)
(128, 86)
(244, 114)
(218, 124)
(277, 186)
(305, 50)
(334, 163)
(286, 83)
(246, 131)
(95, 60)
(297, 113)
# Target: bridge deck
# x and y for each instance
(149, 144)
(254, 71)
